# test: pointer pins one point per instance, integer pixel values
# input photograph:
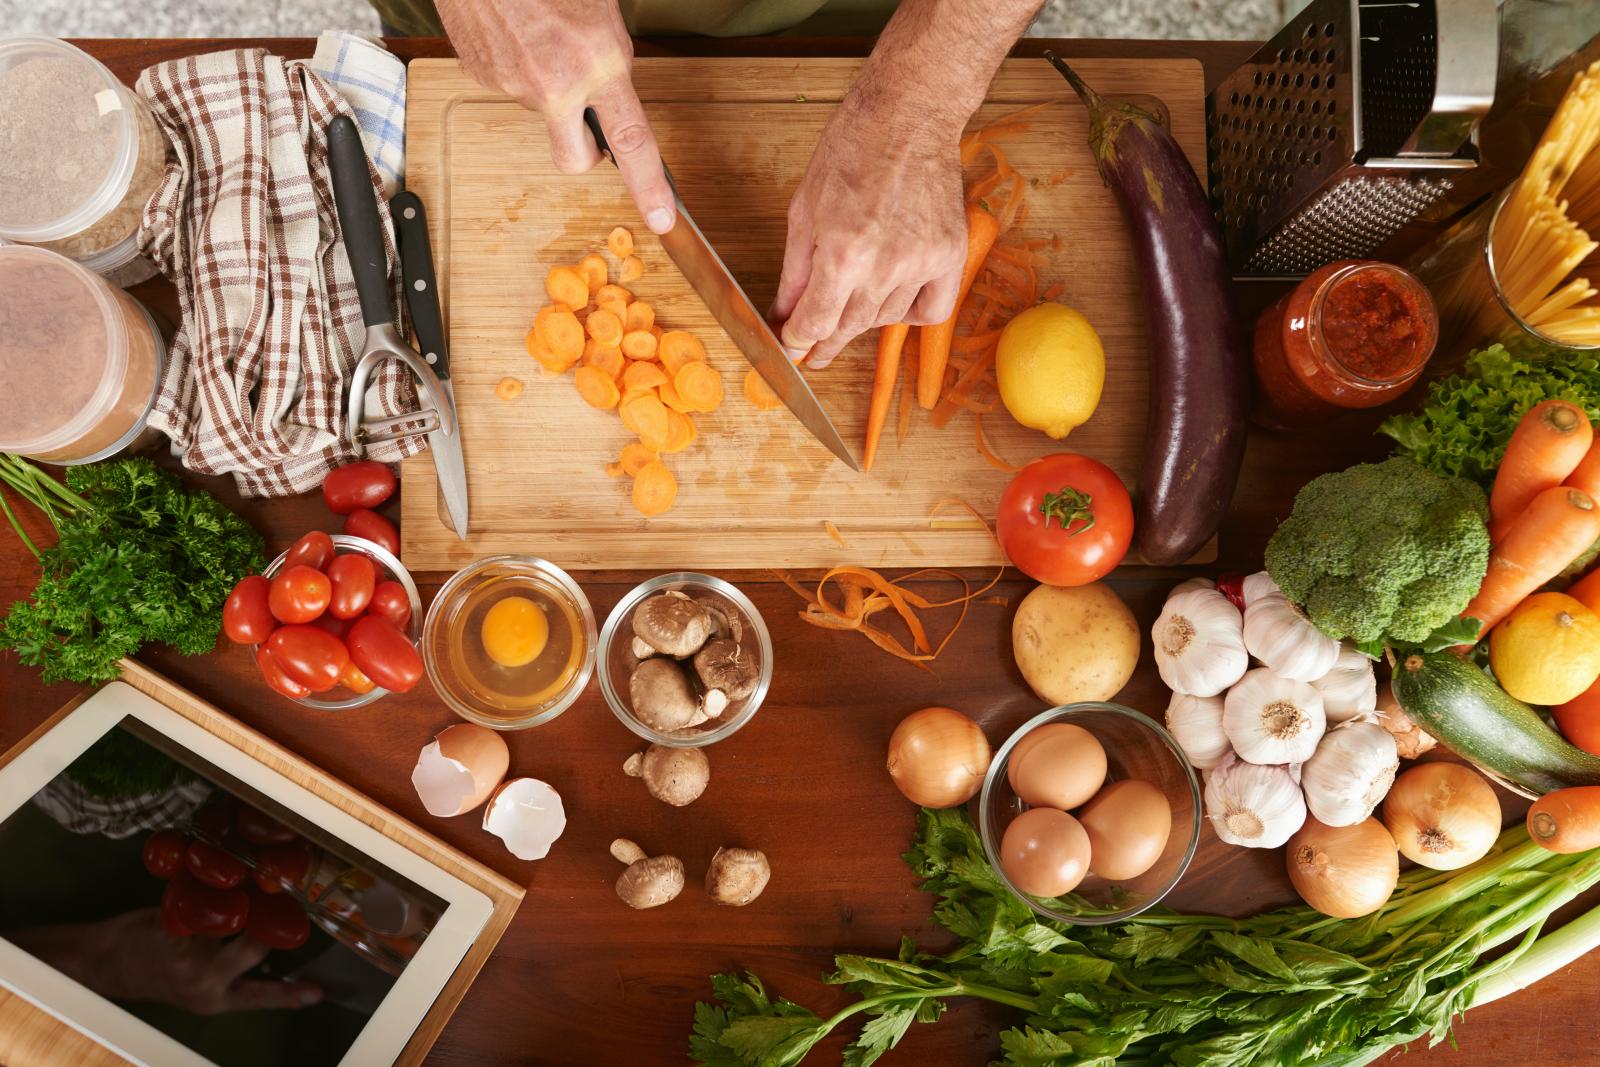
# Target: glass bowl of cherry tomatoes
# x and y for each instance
(333, 622)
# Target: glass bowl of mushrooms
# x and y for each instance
(684, 660)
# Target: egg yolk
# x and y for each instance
(515, 631)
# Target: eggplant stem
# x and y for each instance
(1085, 92)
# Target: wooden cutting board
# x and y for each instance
(755, 490)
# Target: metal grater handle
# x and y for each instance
(1468, 35)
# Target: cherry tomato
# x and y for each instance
(353, 577)
(310, 656)
(205, 911)
(314, 550)
(279, 864)
(299, 594)
(375, 528)
(163, 852)
(1065, 519)
(389, 601)
(246, 617)
(170, 923)
(212, 866)
(384, 654)
(277, 920)
(258, 828)
(1231, 585)
(335, 626)
(353, 680)
(273, 675)
(215, 819)
(357, 485)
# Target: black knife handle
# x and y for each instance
(357, 204)
(591, 120)
(416, 268)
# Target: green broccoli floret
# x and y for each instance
(1383, 551)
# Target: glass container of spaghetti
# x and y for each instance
(509, 642)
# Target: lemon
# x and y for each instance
(1547, 651)
(1051, 367)
(515, 631)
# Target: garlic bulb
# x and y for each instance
(1350, 773)
(1279, 635)
(1196, 724)
(1254, 806)
(1272, 719)
(1410, 739)
(1199, 640)
(1349, 690)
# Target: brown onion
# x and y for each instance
(1343, 871)
(938, 757)
(1442, 815)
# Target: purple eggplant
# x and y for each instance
(1199, 366)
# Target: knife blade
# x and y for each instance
(427, 322)
(728, 303)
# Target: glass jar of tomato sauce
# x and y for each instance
(1354, 334)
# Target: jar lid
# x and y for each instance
(63, 350)
(68, 139)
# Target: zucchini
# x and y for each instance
(1462, 706)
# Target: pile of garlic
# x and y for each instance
(1297, 731)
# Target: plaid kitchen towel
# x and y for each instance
(244, 225)
(373, 81)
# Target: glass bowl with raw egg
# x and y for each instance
(509, 642)
(685, 660)
(1090, 813)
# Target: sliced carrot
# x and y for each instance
(597, 388)
(639, 344)
(508, 388)
(614, 470)
(608, 358)
(678, 347)
(699, 385)
(620, 241)
(635, 456)
(681, 431)
(640, 376)
(567, 286)
(669, 396)
(547, 359)
(632, 269)
(617, 308)
(594, 271)
(612, 292)
(562, 333)
(891, 341)
(640, 316)
(654, 489)
(604, 326)
(647, 417)
(759, 393)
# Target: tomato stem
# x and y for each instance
(1069, 506)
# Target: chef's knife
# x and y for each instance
(427, 322)
(731, 307)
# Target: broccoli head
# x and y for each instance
(1383, 551)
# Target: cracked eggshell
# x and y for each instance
(527, 815)
(459, 769)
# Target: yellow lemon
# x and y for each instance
(1547, 651)
(515, 631)
(1050, 367)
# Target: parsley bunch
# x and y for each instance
(139, 558)
(1288, 986)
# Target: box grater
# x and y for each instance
(1347, 125)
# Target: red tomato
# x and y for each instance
(353, 680)
(310, 656)
(216, 818)
(163, 852)
(357, 485)
(1065, 519)
(258, 828)
(335, 626)
(205, 911)
(384, 654)
(214, 867)
(170, 922)
(299, 594)
(273, 675)
(277, 920)
(278, 864)
(314, 550)
(389, 601)
(353, 578)
(246, 616)
(375, 528)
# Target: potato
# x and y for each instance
(1077, 643)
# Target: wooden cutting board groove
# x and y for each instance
(755, 489)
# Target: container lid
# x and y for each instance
(63, 350)
(68, 140)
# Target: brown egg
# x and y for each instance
(1057, 766)
(1045, 852)
(1128, 824)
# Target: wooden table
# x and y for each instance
(581, 979)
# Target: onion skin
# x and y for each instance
(1442, 815)
(938, 757)
(1343, 871)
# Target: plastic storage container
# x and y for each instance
(80, 156)
(79, 360)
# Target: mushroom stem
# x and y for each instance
(625, 851)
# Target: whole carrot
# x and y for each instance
(1560, 524)
(1549, 443)
(891, 340)
(1586, 475)
(982, 230)
(1567, 820)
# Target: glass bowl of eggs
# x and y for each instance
(509, 642)
(1090, 813)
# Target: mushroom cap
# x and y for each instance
(675, 776)
(649, 881)
(728, 666)
(737, 876)
(662, 697)
(725, 622)
(672, 624)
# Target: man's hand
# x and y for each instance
(558, 57)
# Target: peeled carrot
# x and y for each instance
(598, 389)
(1549, 443)
(678, 347)
(759, 393)
(604, 326)
(1586, 475)
(593, 269)
(620, 241)
(699, 385)
(632, 269)
(654, 489)
(635, 456)
(567, 286)
(1560, 524)
(891, 342)
(641, 376)
(640, 316)
(1567, 820)
(982, 230)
